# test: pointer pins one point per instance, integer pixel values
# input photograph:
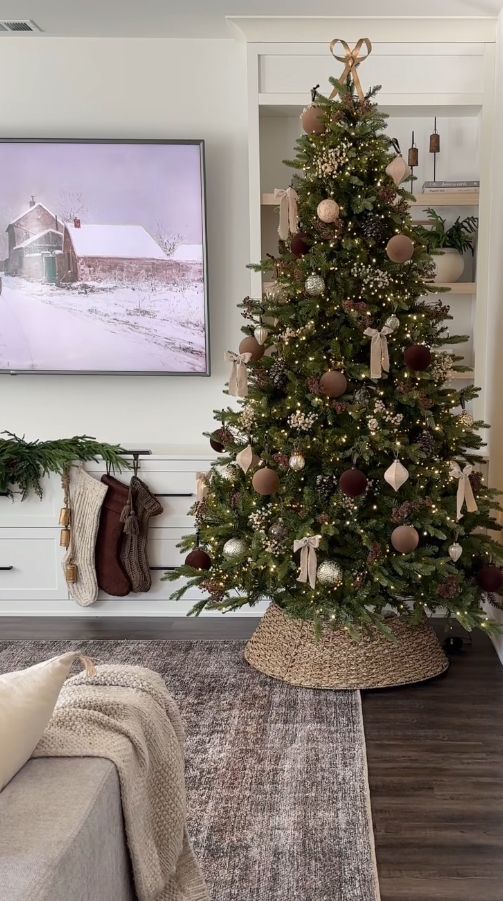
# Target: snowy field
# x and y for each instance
(99, 327)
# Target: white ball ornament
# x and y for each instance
(235, 548)
(392, 322)
(297, 462)
(315, 285)
(329, 573)
(328, 210)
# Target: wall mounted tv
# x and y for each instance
(103, 257)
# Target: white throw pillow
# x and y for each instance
(27, 700)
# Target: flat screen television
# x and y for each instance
(103, 257)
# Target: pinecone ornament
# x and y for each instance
(426, 442)
(277, 375)
(374, 229)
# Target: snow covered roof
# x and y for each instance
(131, 242)
(30, 208)
(188, 253)
(37, 237)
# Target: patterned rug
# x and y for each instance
(277, 776)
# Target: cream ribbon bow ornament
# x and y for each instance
(465, 491)
(308, 561)
(238, 380)
(202, 487)
(379, 353)
(288, 212)
(351, 59)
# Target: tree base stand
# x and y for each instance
(288, 649)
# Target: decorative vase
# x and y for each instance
(449, 265)
(289, 649)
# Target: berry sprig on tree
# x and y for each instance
(345, 486)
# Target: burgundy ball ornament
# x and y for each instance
(216, 444)
(299, 245)
(405, 539)
(251, 346)
(333, 383)
(490, 578)
(400, 248)
(266, 481)
(353, 482)
(312, 120)
(417, 357)
(198, 559)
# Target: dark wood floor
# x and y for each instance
(435, 755)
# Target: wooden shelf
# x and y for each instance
(461, 376)
(470, 198)
(455, 287)
(455, 198)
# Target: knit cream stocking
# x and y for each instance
(86, 498)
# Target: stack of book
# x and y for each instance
(445, 187)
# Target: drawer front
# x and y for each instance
(30, 564)
(34, 511)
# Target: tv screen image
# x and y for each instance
(103, 257)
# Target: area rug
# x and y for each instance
(277, 776)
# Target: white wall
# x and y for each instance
(144, 88)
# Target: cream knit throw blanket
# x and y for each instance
(125, 713)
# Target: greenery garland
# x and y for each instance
(24, 463)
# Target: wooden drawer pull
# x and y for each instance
(5, 568)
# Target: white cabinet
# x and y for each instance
(31, 574)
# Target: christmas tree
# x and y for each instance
(347, 486)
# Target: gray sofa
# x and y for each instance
(62, 833)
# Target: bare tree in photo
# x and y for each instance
(71, 205)
(167, 241)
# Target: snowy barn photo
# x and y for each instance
(103, 257)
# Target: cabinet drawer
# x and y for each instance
(30, 564)
(34, 511)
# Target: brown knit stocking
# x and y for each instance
(112, 578)
(142, 504)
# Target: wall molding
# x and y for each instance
(388, 29)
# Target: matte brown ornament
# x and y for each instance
(333, 383)
(312, 120)
(266, 481)
(400, 248)
(405, 539)
(64, 538)
(353, 482)
(251, 346)
(417, 357)
(490, 578)
(198, 559)
(328, 210)
(299, 244)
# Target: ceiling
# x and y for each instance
(206, 18)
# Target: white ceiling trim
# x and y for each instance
(388, 29)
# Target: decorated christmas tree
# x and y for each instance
(347, 486)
